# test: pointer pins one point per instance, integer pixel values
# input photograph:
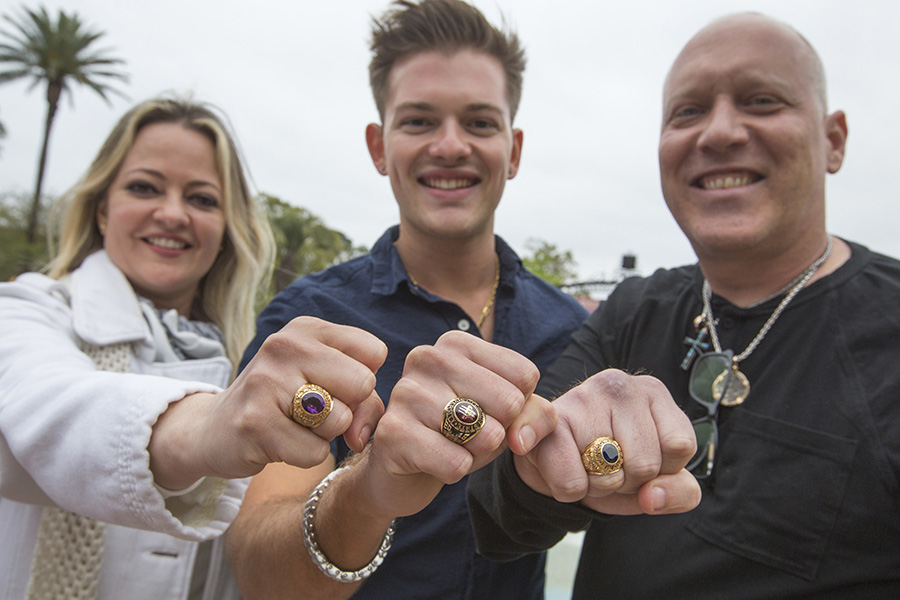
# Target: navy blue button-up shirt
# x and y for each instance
(433, 554)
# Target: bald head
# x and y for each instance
(746, 141)
(747, 28)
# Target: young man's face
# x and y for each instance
(447, 142)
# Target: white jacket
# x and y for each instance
(75, 437)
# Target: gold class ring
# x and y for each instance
(603, 456)
(462, 420)
(311, 405)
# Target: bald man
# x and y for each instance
(781, 345)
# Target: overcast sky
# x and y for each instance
(292, 77)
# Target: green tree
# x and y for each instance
(17, 254)
(305, 244)
(549, 263)
(56, 52)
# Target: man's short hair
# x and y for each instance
(444, 26)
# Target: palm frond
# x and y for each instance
(57, 50)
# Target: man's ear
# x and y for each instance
(375, 143)
(516, 154)
(836, 134)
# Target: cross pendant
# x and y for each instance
(697, 345)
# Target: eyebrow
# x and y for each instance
(159, 175)
(474, 107)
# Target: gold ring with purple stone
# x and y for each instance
(462, 420)
(311, 405)
(603, 456)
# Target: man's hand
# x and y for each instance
(655, 435)
(410, 459)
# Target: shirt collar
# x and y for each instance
(389, 273)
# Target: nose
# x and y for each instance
(450, 144)
(723, 127)
(172, 210)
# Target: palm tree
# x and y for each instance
(56, 52)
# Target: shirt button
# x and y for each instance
(463, 325)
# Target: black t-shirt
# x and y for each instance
(804, 500)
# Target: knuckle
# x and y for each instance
(392, 426)
(494, 437)
(454, 339)
(308, 322)
(458, 466)
(426, 358)
(258, 383)
(250, 421)
(655, 387)
(680, 446)
(570, 490)
(613, 383)
(507, 403)
(360, 383)
(604, 485)
(642, 469)
(317, 452)
(406, 389)
(530, 375)
(276, 344)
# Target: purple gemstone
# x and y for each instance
(312, 402)
(466, 412)
(610, 454)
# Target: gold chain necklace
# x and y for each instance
(490, 301)
(738, 386)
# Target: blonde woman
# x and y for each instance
(121, 448)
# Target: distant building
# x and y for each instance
(591, 293)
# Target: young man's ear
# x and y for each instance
(516, 154)
(375, 143)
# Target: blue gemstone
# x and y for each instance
(610, 453)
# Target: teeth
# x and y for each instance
(727, 181)
(448, 184)
(167, 243)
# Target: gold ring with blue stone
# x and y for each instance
(311, 405)
(462, 420)
(603, 456)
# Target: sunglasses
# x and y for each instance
(708, 382)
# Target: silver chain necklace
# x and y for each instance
(738, 385)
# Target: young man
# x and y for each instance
(781, 345)
(447, 85)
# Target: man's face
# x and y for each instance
(447, 142)
(745, 142)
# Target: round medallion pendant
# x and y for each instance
(737, 391)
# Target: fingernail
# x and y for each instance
(364, 436)
(659, 499)
(527, 437)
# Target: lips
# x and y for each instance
(722, 181)
(167, 243)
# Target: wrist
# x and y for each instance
(175, 457)
(318, 555)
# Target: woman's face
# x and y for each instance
(163, 217)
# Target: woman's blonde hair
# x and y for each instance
(227, 294)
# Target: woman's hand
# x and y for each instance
(237, 432)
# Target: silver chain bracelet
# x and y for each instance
(315, 552)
